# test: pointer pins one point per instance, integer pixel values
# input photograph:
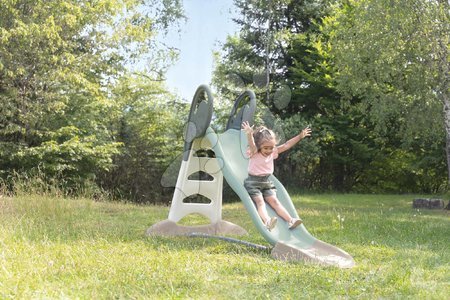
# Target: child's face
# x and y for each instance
(267, 147)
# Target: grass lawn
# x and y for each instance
(53, 247)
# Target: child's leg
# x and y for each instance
(278, 207)
(261, 207)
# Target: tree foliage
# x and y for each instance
(387, 53)
(339, 66)
(258, 57)
(59, 62)
(82, 94)
(393, 56)
(149, 124)
(275, 53)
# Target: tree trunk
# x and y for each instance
(447, 130)
(443, 66)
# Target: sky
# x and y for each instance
(208, 24)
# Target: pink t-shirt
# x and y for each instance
(260, 165)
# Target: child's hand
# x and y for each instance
(305, 132)
(247, 128)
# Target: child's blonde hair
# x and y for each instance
(262, 134)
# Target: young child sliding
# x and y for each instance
(262, 151)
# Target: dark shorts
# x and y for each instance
(259, 186)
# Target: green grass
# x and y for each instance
(53, 248)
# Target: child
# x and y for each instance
(262, 151)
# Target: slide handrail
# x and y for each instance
(199, 119)
(242, 111)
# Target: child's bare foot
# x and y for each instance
(270, 224)
(294, 222)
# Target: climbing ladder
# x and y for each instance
(199, 184)
(198, 176)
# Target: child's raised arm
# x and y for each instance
(249, 133)
(289, 144)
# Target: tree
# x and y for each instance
(259, 57)
(59, 62)
(277, 38)
(149, 127)
(393, 56)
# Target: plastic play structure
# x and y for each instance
(209, 157)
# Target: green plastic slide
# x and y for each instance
(296, 244)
